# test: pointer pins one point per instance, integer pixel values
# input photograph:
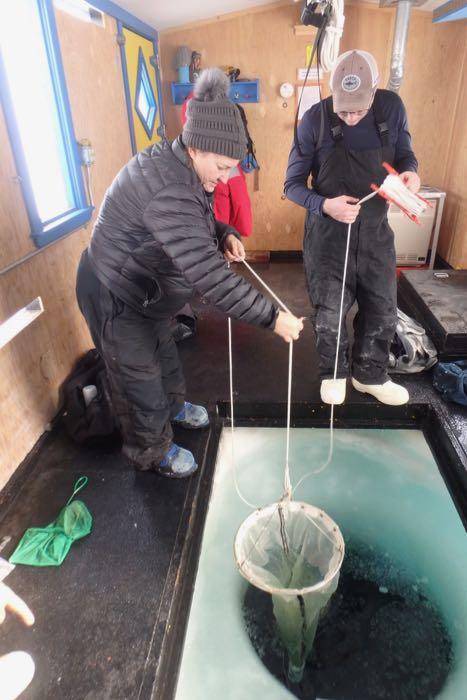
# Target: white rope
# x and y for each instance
(287, 483)
(336, 361)
(232, 422)
(329, 50)
(274, 296)
(331, 419)
(288, 490)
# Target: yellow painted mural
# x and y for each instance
(135, 44)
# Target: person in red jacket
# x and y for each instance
(232, 202)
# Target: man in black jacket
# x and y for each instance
(155, 242)
(342, 143)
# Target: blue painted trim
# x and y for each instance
(143, 83)
(451, 11)
(126, 18)
(126, 86)
(80, 212)
(48, 224)
(63, 225)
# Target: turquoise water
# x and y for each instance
(382, 488)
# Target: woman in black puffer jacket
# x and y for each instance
(155, 242)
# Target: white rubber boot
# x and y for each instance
(389, 393)
(333, 391)
(16, 672)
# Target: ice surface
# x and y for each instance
(382, 488)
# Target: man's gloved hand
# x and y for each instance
(233, 249)
(13, 603)
(410, 180)
(344, 208)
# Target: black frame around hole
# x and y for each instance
(448, 454)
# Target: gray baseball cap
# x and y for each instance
(354, 78)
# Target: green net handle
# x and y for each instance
(80, 484)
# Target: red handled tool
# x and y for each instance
(380, 190)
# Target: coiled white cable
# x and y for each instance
(329, 50)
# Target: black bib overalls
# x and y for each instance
(371, 272)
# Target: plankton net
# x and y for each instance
(289, 549)
(293, 551)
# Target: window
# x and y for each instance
(39, 122)
(146, 106)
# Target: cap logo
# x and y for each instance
(351, 82)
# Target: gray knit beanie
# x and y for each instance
(213, 122)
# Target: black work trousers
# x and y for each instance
(371, 281)
(146, 379)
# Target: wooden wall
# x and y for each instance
(453, 244)
(14, 232)
(34, 364)
(263, 44)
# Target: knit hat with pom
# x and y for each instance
(213, 122)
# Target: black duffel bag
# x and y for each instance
(87, 408)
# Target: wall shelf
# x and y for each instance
(240, 91)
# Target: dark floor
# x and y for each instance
(101, 616)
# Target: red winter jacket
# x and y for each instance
(231, 200)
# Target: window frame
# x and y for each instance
(44, 232)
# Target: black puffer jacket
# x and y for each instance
(156, 240)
